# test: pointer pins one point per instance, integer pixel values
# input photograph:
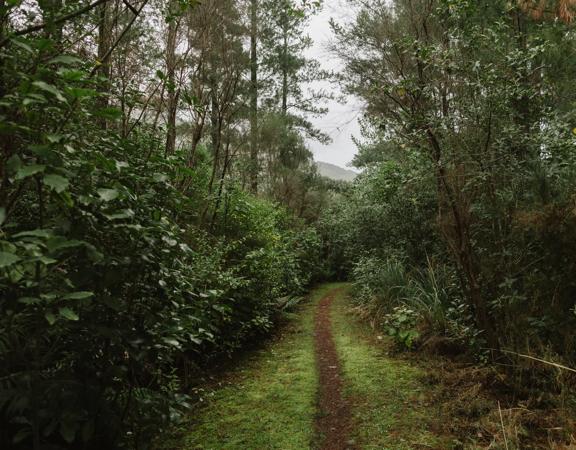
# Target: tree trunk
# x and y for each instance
(254, 164)
(173, 93)
(285, 72)
(216, 137)
(221, 184)
(104, 70)
(3, 34)
(461, 245)
(196, 137)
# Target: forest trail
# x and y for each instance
(164, 209)
(324, 384)
(334, 419)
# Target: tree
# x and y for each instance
(284, 67)
(130, 255)
(464, 84)
(539, 9)
(254, 163)
(173, 19)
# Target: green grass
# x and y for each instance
(271, 402)
(390, 406)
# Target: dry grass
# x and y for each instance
(564, 10)
(486, 412)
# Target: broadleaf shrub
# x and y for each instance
(115, 290)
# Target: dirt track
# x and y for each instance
(334, 422)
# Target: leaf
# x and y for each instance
(160, 178)
(33, 99)
(80, 295)
(7, 259)
(47, 261)
(21, 435)
(109, 113)
(108, 195)
(54, 138)
(121, 165)
(169, 241)
(56, 182)
(13, 164)
(93, 254)
(124, 214)
(68, 430)
(171, 341)
(65, 59)
(67, 199)
(28, 171)
(58, 243)
(81, 92)
(68, 314)
(50, 89)
(29, 301)
(195, 340)
(43, 150)
(22, 45)
(2, 215)
(50, 317)
(35, 233)
(72, 75)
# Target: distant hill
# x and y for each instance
(335, 172)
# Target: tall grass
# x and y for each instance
(430, 291)
(382, 282)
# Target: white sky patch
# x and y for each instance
(341, 121)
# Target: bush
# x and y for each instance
(402, 324)
(413, 306)
(384, 283)
(113, 290)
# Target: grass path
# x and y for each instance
(271, 401)
(390, 403)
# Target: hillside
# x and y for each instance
(335, 172)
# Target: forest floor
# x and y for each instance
(324, 383)
(328, 381)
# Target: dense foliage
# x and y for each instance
(131, 252)
(464, 218)
(159, 206)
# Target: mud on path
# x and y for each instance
(334, 421)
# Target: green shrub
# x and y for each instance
(382, 282)
(401, 324)
(113, 289)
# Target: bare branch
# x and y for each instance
(58, 20)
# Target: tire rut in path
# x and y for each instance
(334, 422)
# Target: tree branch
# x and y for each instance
(119, 39)
(61, 19)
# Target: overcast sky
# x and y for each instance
(341, 122)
